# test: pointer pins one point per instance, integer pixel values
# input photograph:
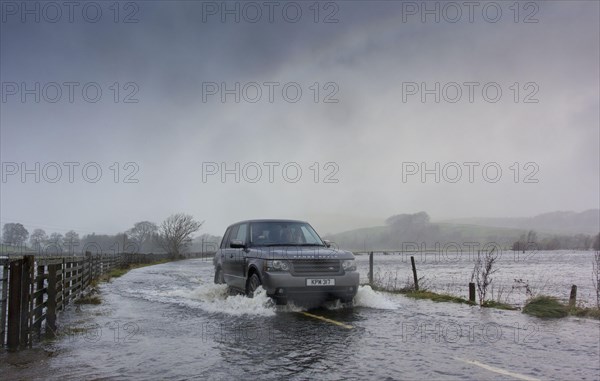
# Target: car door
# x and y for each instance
(238, 264)
(228, 254)
(220, 254)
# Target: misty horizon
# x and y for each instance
(344, 121)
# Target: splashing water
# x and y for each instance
(215, 298)
(366, 297)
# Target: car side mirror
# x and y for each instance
(327, 242)
(237, 244)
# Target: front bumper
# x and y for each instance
(284, 285)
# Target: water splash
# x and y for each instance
(214, 298)
(367, 297)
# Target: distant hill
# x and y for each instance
(562, 229)
(587, 222)
(388, 238)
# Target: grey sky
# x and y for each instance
(368, 134)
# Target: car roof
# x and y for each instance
(266, 220)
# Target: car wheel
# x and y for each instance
(347, 302)
(219, 279)
(253, 284)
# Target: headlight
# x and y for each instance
(277, 265)
(349, 265)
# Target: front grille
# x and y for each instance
(316, 266)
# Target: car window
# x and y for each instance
(225, 240)
(230, 234)
(241, 233)
(310, 236)
(233, 234)
(283, 233)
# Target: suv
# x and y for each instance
(289, 260)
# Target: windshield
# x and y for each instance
(275, 233)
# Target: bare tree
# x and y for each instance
(142, 233)
(175, 232)
(70, 241)
(482, 272)
(14, 234)
(56, 238)
(37, 239)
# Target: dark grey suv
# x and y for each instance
(289, 260)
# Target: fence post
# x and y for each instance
(63, 288)
(39, 300)
(4, 304)
(414, 270)
(26, 283)
(88, 266)
(92, 267)
(573, 296)
(371, 268)
(472, 292)
(14, 304)
(51, 302)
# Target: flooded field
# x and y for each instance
(519, 276)
(170, 322)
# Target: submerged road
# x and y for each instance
(170, 322)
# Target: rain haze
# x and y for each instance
(299, 190)
(344, 112)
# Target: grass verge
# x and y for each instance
(424, 294)
(550, 307)
(122, 270)
(498, 305)
(89, 299)
(433, 296)
(545, 307)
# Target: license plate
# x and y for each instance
(320, 282)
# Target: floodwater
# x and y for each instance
(517, 277)
(170, 322)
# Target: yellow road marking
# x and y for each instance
(327, 320)
(498, 370)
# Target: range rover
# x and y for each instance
(288, 259)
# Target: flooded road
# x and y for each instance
(170, 322)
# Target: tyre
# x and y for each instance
(253, 284)
(347, 302)
(219, 279)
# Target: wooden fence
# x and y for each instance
(36, 288)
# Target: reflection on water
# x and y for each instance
(170, 322)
